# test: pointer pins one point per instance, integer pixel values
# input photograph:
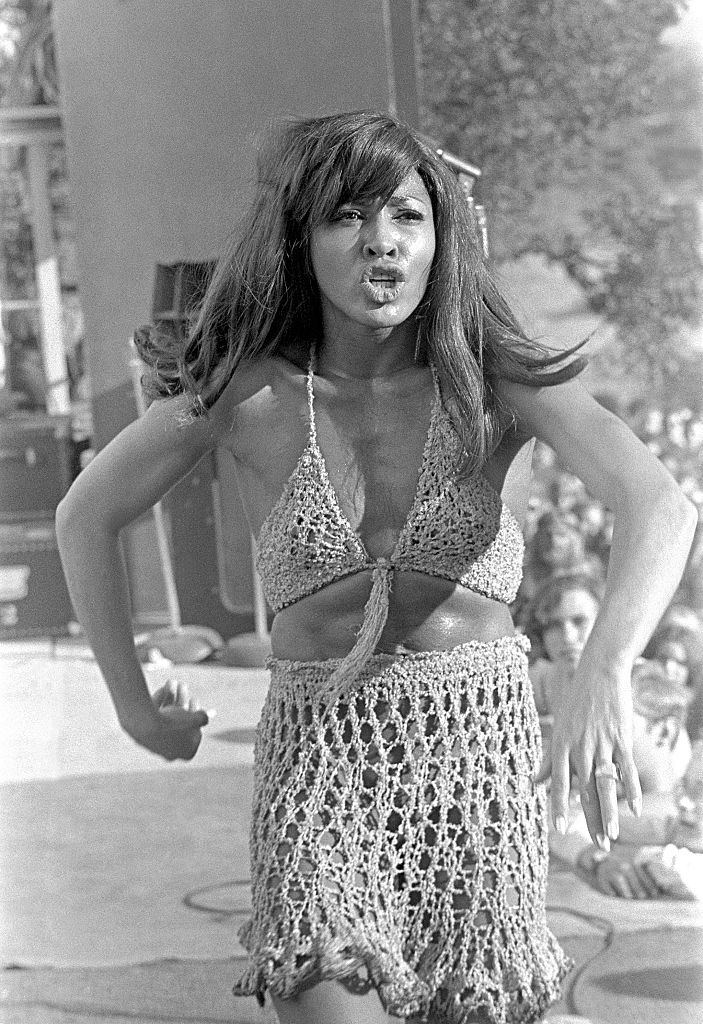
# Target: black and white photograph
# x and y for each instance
(351, 511)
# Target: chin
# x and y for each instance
(385, 316)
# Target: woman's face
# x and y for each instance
(569, 625)
(372, 261)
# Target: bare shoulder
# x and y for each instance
(265, 398)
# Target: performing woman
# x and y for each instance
(380, 402)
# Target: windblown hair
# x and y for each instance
(263, 298)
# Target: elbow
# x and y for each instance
(680, 512)
(66, 522)
(692, 517)
(63, 516)
(78, 517)
(685, 510)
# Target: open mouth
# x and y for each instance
(388, 274)
(383, 284)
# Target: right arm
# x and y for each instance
(125, 479)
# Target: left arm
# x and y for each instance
(653, 531)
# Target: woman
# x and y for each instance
(379, 402)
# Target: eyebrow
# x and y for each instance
(396, 200)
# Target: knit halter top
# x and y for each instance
(459, 530)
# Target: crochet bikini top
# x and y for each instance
(459, 530)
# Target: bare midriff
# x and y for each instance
(425, 613)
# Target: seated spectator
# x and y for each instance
(682, 626)
(668, 648)
(556, 548)
(563, 614)
(661, 746)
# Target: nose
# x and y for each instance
(379, 239)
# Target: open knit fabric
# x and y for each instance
(456, 529)
(398, 839)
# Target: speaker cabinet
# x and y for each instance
(34, 598)
(37, 465)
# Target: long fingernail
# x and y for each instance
(613, 830)
(603, 842)
(636, 806)
(560, 824)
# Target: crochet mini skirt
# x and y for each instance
(398, 840)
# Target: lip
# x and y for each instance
(381, 291)
(384, 274)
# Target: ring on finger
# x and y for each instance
(607, 770)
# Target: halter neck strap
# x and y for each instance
(312, 438)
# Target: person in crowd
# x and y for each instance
(563, 615)
(678, 643)
(556, 547)
(661, 745)
(668, 647)
(659, 855)
(379, 402)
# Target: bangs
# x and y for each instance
(358, 178)
(347, 162)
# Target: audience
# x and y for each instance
(660, 854)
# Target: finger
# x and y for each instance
(166, 694)
(630, 781)
(182, 718)
(561, 782)
(591, 812)
(589, 795)
(639, 892)
(622, 886)
(606, 787)
(648, 883)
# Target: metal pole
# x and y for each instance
(48, 283)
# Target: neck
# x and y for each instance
(367, 357)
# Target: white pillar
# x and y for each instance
(48, 282)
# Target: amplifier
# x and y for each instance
(34, 598)
(37, 465)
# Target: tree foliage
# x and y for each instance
(587, 128)
(28, 72)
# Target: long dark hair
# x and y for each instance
(263, 297)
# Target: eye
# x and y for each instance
(410, 215)
(346, 214)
